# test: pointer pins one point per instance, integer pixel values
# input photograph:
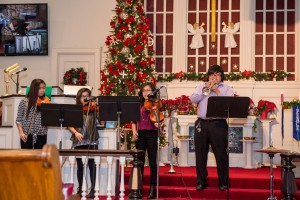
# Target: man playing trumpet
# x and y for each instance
(209, 131)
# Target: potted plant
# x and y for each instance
(265, 107)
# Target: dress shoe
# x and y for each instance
(201, 186)
(152, 192)
(223, 187)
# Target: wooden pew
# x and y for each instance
(30, 174)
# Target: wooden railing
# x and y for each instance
(135, 182)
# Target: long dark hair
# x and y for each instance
(152, 86)
(79, 93)
(33, 93)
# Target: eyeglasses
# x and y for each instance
(146, 90)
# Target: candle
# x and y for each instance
(282, 98)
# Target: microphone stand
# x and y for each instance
(171, 151)
(158, 142)
(17, 83)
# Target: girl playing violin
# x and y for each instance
(86, 137)
(32, 134)
(146, 134)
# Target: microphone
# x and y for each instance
(89, 99)
(152, 94)
(21, 70)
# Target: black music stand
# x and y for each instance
(227, 107)
(120, 109)
(61, 115)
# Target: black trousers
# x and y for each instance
(147, 141)
(40, 142)
(214, 133)
(91, 164)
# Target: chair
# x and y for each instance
(30, 174)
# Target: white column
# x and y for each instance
(97, 188)
(180, 35)
(84, 186)
(109, 162)
(183, 145)
(248, 153)
(266, 137)
(122, 187)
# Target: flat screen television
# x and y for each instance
(23, 29)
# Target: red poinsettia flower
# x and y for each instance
(140, 9)
(127, 42)
(247, 73)
(113, 51)
(131, 67)
(141, 76)
(264, 105)
(138, 48)
(113, 24)
(129, 20)
(119, 36)
(273, 74)
(143, 63)
(110, 69)
(179, 74)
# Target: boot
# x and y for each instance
(152, 192)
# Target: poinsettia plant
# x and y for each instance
(181, 103)
(264, 105)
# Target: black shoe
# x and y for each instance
(201, 186)
(223, 187)
(91, 194)
(152, 192)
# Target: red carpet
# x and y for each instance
(246, 184)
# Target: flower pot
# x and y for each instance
(264, 115)
(183, 110)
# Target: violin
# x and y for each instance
(90, 107)
(44, 99)
(153, 107)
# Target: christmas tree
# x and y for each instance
(129, 62)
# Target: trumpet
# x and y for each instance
(207, 89)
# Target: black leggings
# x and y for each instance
(91, 164)
(147, 141)
(40, 142)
